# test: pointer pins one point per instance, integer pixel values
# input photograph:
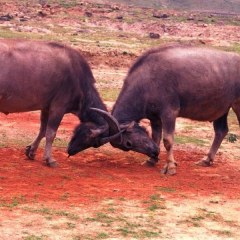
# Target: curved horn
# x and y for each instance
(111, 138)
(114, 127)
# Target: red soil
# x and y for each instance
(93, 175)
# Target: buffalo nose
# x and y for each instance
(70, 151)
(155, 152)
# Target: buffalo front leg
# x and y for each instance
(52, 126)
(221, 129)
(168, 140)
(156, 126)
(31, 149)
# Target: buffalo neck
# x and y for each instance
(130, 105)
(92, 100)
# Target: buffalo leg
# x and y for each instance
(32, 148)
(236, 109)
(156, 126)
(168, 140)
(54, 121)
(221, 129)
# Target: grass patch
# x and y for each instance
(125, 224)
(35, 237)
(189, 139)
(232, 138)
(224, 233)
(203, 215)
(102, 218)
(109, 94)
(166, 189)
(52, 212)
(102, 235)
(65, 196)
(155, 203)
(16, 201)
(153, 207)
(60, 142)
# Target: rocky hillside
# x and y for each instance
(227, 6)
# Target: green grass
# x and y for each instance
(109, 94)
(16, 201)
(203, 215)
(52, 212)
(102, 217)
(190, 139)
(102, 235)
(155, 203)
(224, 233)
(166, 189)
(35, 237)
(5, 32)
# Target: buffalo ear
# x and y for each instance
(112, 122)
(94, 133)
(128, 126)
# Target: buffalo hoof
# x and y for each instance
(29, 153)
(52, 164)
(204, 163)
(170, 169)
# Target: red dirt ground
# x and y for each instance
(93, 175)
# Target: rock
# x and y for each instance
(202, 42)
(160, 15)
(154, 35)
(122, 35)
(190, 18)
(6, 17)
(23, 19)
(42, 14)
(42, 2)
(88, 14)
(116, 8)
(119, 17)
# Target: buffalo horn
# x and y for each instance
(111, 138)
(114, 128)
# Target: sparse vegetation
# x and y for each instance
(35, 237)
(52, 212)
(189, 139)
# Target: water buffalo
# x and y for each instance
(179, 81)
(55, 79)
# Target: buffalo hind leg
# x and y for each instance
(31, 149)
(236, 109)
(156, 126)
(221, 129)
(168, 140)
(54, 121)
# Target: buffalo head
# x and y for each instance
(85, 135)
(136, 138)
(126, 137)
(88, 135)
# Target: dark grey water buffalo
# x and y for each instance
(179, 81)
(56, 80)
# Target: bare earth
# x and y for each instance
(105, 192)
